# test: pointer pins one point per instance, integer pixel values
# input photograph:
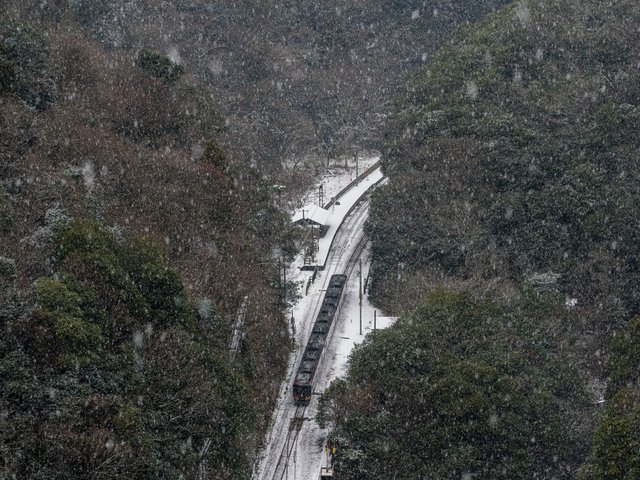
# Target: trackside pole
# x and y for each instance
(360, 293)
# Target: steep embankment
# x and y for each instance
(114, 354)
(512, 158)
(513, 173)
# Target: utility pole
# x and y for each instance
(375, 312)
(360, 292)
(293, 325)
(284, 277)
(313, 244)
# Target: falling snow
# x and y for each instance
(158, 286)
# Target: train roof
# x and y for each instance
(317, 340)
(330, 302)
(307, 366)
(311, 353)
(321, 327)
(303, 378)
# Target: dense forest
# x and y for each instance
(129, 243)
(139, 147)
(141, 224)
(297, 81)
(512, 160)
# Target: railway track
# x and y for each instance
(286, 438)
(352, 224)
(357, 252)
(295, 424)
(350, 230)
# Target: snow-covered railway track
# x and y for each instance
(295, 424)
(348, 245)
(294, 447)
(355, 257)
(351, 226)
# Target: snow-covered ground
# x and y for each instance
(343, 204)
(335, 178)
(307, 456)
(338, 212)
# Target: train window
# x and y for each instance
(303, 377)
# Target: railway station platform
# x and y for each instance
(338, 208)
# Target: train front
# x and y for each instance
(302, 389)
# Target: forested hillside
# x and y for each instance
(137, 221)
(517, 143)
(458, 389)
(139, 146)
(129, 242)
(296, 80)
(110, 373)
(512, 160)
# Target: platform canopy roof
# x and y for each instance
(311, 214)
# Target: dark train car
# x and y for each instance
(318, 341)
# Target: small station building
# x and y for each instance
(313, 219)
(312, 216)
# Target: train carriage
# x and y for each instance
(321, 333)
